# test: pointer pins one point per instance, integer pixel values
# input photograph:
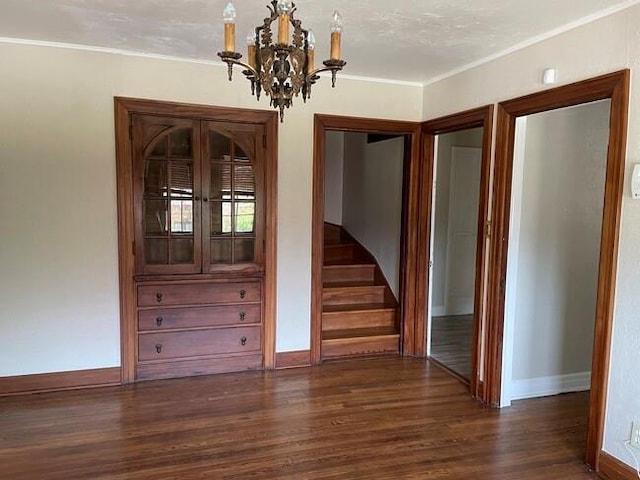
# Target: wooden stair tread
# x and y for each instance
(347, 263)
(354, 283)
(355, 333)
(358, 307)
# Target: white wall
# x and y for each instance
(372, 202)
(464, 138)
(560, 225)
(58, 257)
(603, 46)
(333, 178)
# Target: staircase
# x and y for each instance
(359, 311)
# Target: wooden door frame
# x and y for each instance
(124, 109)
(614, 86)
(411, 190)
(481, 117)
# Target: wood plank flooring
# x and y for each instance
(382, 418)
(451, 339)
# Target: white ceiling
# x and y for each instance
(408, 40)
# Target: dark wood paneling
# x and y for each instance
(411, 196)
(478, 117)
(613, 469)
(52, 382)
(386, 418)
(294, 359)
(616, 87)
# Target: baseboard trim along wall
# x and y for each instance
(59, 381)
(294, 359)
(611, 468)
(546, 386)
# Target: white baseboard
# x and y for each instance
(547, 386)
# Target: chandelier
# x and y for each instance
(286, 68)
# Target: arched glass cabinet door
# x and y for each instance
(233, 197)
(167, 173)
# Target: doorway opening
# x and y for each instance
(614, 87)
(455, 232)
(363, 243)
(454, 244)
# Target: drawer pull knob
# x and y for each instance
(159, 297)
(243, 341)
(158, 347)
(159, 321)
(243, 293)
(242, 316)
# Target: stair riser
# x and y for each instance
(361, 319)
(352, 295)
(360, 346)
(346, 273)
(335, 253)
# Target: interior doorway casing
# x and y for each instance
(409, 242)
(615, 87)
(479, 117)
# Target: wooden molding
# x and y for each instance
(293, 359)
(614, 86)
(54, 382)
(478, 117)
(124, 108)
(411, 200)
(613, 469)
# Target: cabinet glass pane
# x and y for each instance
(245, 216)
(155, 178)
(181, 216)
(220, 188)
(220, 218)
(244, 250)
(239, 155)
(181, 143)
(155, 217)
(244, 187)
(221, 251)
(219, 146)
(182, 250)
(181, 179)
(160, 149)
(156, 251)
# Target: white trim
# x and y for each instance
(533, 40)
(547, 386)
(403, 83)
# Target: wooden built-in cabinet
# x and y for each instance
(198, 218)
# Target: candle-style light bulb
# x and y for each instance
(229, 14)
(336, 35)
(311, 42)
(284, 7)
(337, 23)
(229, 17)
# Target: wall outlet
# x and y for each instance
(635, 435)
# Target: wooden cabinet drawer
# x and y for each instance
(167, 345)
(193, 317)
(198, 293)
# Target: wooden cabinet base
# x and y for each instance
(188, 368)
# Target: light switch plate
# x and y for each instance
(635, 182)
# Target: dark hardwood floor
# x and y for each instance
(451, 339)
(382, 418)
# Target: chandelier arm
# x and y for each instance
(250, 71)
(313, 76)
